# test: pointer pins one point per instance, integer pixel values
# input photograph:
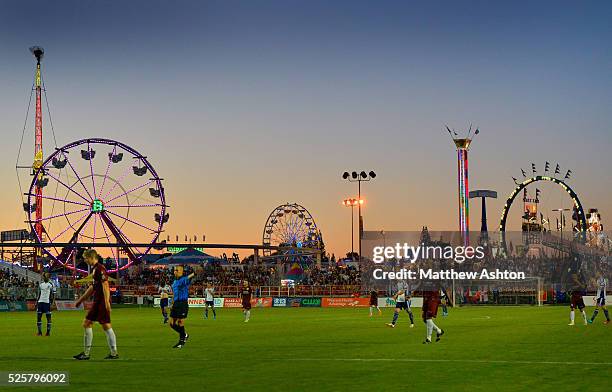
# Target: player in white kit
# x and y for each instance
(164, 292)
(46, 292)
(209, 293)
(600, 299)
(402, 301)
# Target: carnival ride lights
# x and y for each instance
(97, 204)
(290, 224)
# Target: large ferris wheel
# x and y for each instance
(97, 191)
(291, 224)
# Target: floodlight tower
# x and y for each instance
(463, 146)
(38, 52)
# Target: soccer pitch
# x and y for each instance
(290, 349)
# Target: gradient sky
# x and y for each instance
(243, 105)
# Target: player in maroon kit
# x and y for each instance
(246, 300)
(431, 301)
(101, 308)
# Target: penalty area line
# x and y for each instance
(484, 361)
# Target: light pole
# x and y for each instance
(352, 202)
(561, 224)
(358, 178)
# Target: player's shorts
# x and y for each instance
(210, 303)
(99, 313)
(246, 305)
(163, 303)
(430, 308)
(373, 301)
(180, 309)
(401, 305)
(601, 301)
(43, 307)
(577, 302)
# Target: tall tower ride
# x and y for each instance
(463, 146)
(38, 52)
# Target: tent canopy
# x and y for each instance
(189, 256)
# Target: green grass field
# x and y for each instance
(287, 349)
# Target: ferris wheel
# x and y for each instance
(97, 191)
(291, 224)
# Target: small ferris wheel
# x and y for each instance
(291, 224)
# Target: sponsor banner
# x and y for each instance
(311, 302)
(20, 306)
(67, 305)
(4, 306)
(388, 302)
(265, 302)
(297, 302)
(232, 303)
(197, 302)
(280, 302)
(345, 302)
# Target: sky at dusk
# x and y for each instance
(242, 106)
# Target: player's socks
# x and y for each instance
(584, 316)
(206, 313)
(111, 339)
(214, 314)
(175, 327)
(430, 327)
(572, 313)
(371, 311)
(395, 316)
(181, 331)
(248, 315)
(48, 324)
(379, 311)
(411, 318)
(39, 323)
(607, 315)
(87, 339)
(594, 315)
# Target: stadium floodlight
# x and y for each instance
(358, 177)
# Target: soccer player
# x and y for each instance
(600, 299)
(576, 300)
(401, 302)
(431, 301)
(246, 300)
(444, 302)
(100, 310)
(209, 293)
(180, 305)
(374, 302)
(46, 292)
(164, 290)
